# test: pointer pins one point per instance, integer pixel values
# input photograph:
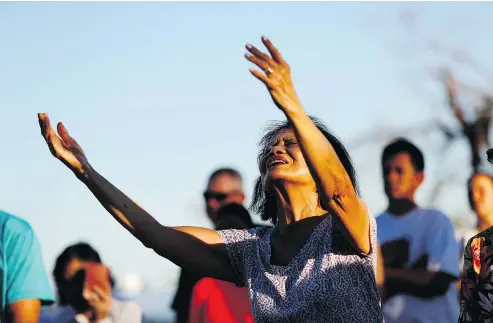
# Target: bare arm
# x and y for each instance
(193, 248)
(336, 191)
(430, 275)
(24, 311)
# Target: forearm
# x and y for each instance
(182, 246)
(321, 158)
(416, 282)
(132, 217)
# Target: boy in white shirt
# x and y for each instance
(418, 245)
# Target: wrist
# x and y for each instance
(294, 112)
(85, 175)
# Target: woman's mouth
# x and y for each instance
(276, 161)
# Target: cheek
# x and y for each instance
(487, 198)
(297, 157)
(412, 182)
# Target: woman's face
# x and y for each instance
(282, 161)
(482, 195)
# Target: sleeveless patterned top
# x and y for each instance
(328, 281)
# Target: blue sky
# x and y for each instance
(159, 94)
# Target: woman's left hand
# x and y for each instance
(100, 302)
(276, 76)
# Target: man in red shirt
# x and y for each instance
(217, 301)
(225, 186)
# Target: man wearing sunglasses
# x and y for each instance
(225, 186)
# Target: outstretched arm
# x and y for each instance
(196, 249)
(336, 190)
(193, 248)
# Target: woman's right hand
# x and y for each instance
(64, 147)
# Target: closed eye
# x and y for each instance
(290, 142)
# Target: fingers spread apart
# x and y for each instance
(270, 65)
(49, 134)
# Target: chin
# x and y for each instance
(280, 175)
(277, 174)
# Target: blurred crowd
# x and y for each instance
(419, 255)
(418, 270)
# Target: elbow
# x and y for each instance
(152, 236)
(355, 219)
(334, 184)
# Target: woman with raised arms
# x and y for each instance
(317, 264)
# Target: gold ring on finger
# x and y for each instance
(268, 71)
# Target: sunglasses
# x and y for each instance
(208, 195)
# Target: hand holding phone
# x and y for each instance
(97, 275)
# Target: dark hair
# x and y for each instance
(401, 145)
(236, 210)
(82, 251)
(469, 187)
(266, 205)
(225, 170)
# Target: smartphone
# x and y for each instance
(97, 274)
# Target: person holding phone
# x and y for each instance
(84, 287)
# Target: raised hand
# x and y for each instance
(64, 147)
(276, 76)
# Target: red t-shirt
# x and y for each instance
(217, 301)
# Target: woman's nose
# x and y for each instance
(277, 149)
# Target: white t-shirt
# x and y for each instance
(417, 234)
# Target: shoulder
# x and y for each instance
(433, 213)
(429, 217)
(205, 283)
(204, 287)
(236, 236)
(382, 216)
(12, 224)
